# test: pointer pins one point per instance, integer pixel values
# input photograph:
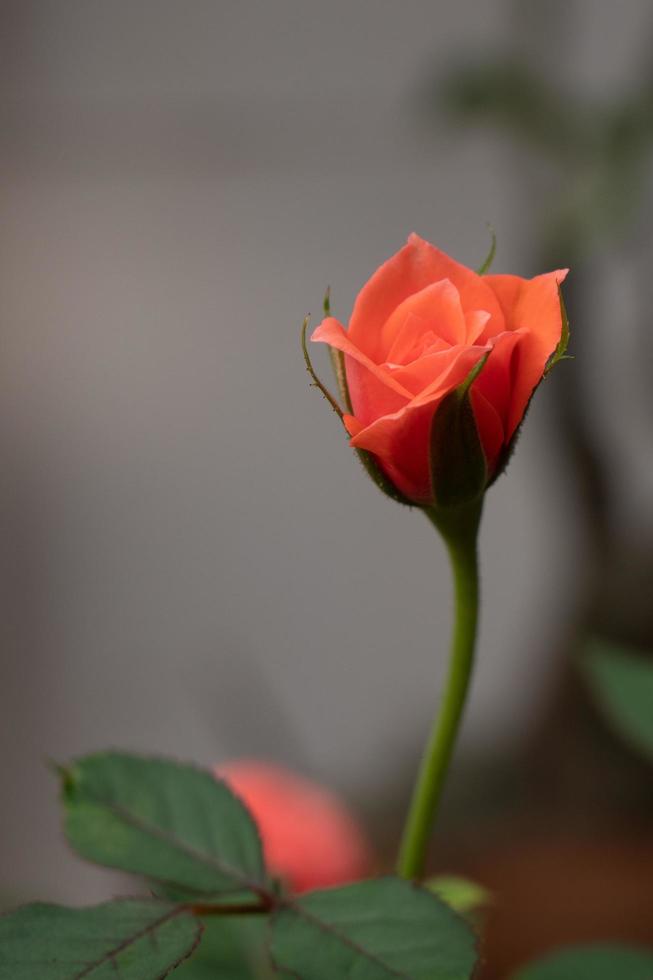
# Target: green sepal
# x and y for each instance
(561, 347)
(338, 365)
(489, 258)
(315, 382)
(458, 465)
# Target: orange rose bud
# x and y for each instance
(310, 839)
(438, 366)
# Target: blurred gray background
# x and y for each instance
(193, 562)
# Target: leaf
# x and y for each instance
(600, 962)
(172, 823)
(460, 894)
(372, 930)
(123, 940)
(232, 948)
(622, 682)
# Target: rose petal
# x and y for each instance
(534, 305)
(489, 425)
(431, 371)
(475, 323)
(400, 440)
(496, 380)
(352, 425)
(372, 389)
(411, 269)
(435, 308)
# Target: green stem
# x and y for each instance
(459, 528)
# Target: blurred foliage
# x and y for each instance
(231, 948)
(601, 151)
(600, 962)
(461, 894)
(622, 683)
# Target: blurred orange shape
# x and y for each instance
(310, 838)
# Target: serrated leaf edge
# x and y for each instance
(245, 883)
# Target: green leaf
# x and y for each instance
(233, 948)
(622, 682)
(460, 894)
(600, 962)
(372, 930)
(171, 823)
(124, 940)
(458, 465)
(225, 951)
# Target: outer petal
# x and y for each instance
(489, 425)
(416, 265)
(531, 305)
(497, 379)
(400, 440)
(372, 389)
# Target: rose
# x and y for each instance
(420, 326)
(310, 838)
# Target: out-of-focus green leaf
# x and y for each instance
(124, 940)
(372, 930)
(460, 894)
(169, 822)
(622, 682)
(600, 962)
(511, 95)
(232, 948)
